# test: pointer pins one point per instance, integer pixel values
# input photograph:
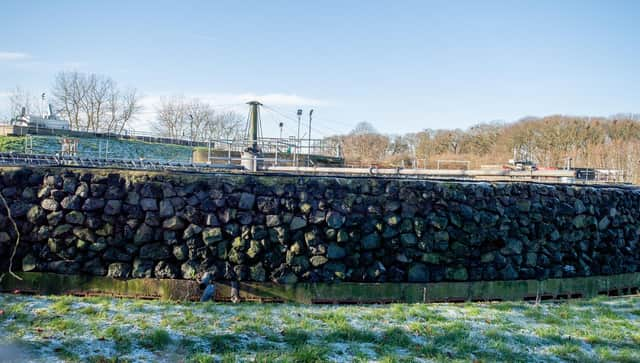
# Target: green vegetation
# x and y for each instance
(107, 330)
(11, 143)
(98, 147)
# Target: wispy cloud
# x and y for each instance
(273, 99)
(73, 65)
(225, 102)
(237, 100)
(13, 56)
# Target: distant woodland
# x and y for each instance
(552, 141)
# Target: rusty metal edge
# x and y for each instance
(328, 293)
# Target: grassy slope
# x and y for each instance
(93, 147)
(101, 329)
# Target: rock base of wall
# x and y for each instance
(313, 229)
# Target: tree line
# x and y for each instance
(553, 141)
(180, 117)
(96, 103)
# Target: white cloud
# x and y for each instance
(273, 99)
(240, 99)
(13, 56)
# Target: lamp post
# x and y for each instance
(281, 124)
(309, 150)
(41, 110)
(298, 138)
(191, 130)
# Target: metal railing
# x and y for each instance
(267, 145)
(20, 159)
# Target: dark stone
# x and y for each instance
(174, 224)
(408, 239)
(50, 205)
(19, 209)
(246, 201)
(74, 217)
(29, 263)
(297, 223)
(149, 204)
(93, 204)
(180, 252)
(119, 270)
(272, 220)
(144, 234)
(259, 232)
(133, 198)
(418, 272)
(113, 207)
(371, 241)
(335, 252)
(512, 247)
(94, 267)
(580, 221)
(191, 231)
(604, 223)
(114, 254)
(189, 270)
(523, 206)
(212, 220)
(155, 251)
(318, 260)
(212, 235)
(84, 233)
(267, 205)
(142, 269)
(164, 270)
(63, 267)
(508, 273)
(335, 219)
(258, 273)
(457, 273)
(166, 209)
(36, 215)
(254, 249)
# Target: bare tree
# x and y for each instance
(195, 120)
(199, 115)
(121, 108)
(69, 92)
(363, 128)
(225, 125)
(20, 98)
(93, 102)
(171, 119)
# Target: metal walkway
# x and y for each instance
(20, 159)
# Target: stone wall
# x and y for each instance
(289, 229)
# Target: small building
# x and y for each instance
(50, 121)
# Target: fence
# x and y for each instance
(266, 145)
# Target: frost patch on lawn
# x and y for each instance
(66, 328)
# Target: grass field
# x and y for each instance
(103, 330)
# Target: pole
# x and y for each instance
(309, 150)
(41, 111)
(191, 130)
(298, 138)
(253, 125)
(279, 141)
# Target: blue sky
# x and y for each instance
(403, 66)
